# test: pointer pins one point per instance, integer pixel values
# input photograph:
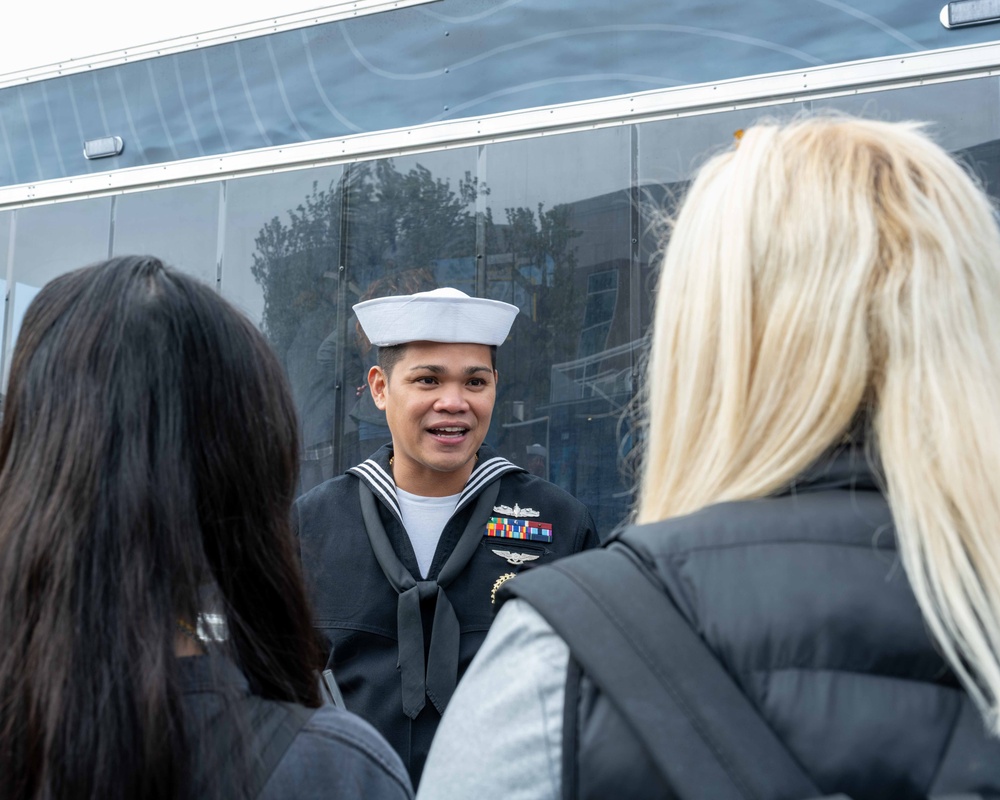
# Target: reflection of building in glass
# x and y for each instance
(300, 181)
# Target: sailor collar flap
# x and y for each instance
(376, 474)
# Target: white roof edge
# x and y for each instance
(331, 12)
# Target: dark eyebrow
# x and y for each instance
(437, 369)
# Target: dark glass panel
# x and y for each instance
(180, 226)
(670, 153)
(51, 240)
(384, 70)
(280, 264)
(5, 222)
(557, 231)
(186, 85)
(962, 116)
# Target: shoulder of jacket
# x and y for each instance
(326, 502)
(333, 737)
(828, 518)
(333, 724)
(329, 489)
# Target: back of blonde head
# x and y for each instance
(823, 270)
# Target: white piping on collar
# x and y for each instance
(372, 473)
(381, 482)
(483, 474)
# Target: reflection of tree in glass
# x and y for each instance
(373, 221)
(406, 220)
(378, 220)
(291, 258)
(539, 265)
(532, 256)
(389, 220)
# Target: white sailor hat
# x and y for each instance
(441, 315)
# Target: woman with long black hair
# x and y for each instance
(147, 468)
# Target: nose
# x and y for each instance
(451, 400)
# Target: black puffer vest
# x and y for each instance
(803, 600)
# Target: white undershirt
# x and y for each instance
(424, 519)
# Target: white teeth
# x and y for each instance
(449, 430)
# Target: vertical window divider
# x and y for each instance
(339, 395)
(220, 237)
(8, 322)
(635, 232)
(482, 277)
(112, 218)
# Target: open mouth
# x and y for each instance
(448, 432)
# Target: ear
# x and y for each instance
(496, 377)
(379, 385)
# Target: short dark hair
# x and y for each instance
(389, 356)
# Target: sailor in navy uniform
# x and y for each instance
(404, 553)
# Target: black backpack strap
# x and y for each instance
(274, 727)
(694, 721)
(570, 732)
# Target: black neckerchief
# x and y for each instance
(437, 678)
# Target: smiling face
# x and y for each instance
(438, 401)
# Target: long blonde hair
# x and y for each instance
(822, 270)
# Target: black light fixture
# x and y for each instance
(104, 147)
(970, 12)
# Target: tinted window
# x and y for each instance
(447, 60)
(180, 226)
(558, 244)
(51, 240)
(557, 225)
(281, 265)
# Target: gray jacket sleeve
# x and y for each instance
(338, 755)
(501, 736)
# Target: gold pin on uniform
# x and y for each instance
(497, 584)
